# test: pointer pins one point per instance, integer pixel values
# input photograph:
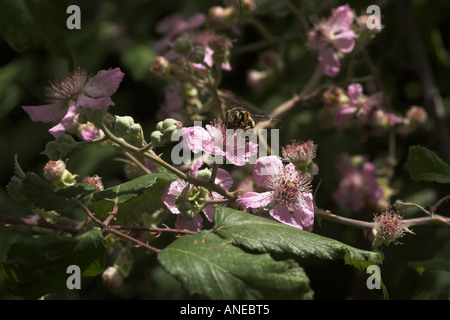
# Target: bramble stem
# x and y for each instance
(150, 155)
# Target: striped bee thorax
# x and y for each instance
(239, 118)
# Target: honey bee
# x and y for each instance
(241, 118)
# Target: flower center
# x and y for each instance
(289, 187)
(68, 87)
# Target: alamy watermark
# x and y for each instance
(374, 280)
(74, 20)
(74, 280)
(217, 147)
(374, 20)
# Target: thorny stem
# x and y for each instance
(327, 215)
(318, 213)
(137, 162)
(150, 229)
(106, 229)
(39, 223)
(150, 155)
(437, 204)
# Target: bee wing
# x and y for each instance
(239, 105)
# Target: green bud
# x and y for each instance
(56, 172)
(204, 174)
(157, 139)
(159, 126)
(190, 91)
(136, 131)
(182, 45)
(197, 54)
(169, 126)
(122, 125)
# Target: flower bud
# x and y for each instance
(204, 174)
(160, 66)
(197, 54)
(157, 138)
(182, 45)
(416, 114)
(56, 172)
(300, 152)
(112, 278)
(53, 170)
(122, 125)
(169, 126)
(335, 97)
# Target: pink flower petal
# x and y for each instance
(393, 119)
(355, 93)
(342, 19)
(300, 219)
(224, 179)
(344, 114)
(344, 41)
(168, 23)
(67, 122)
(193, 225)
(209, 212)
(216, 141)
(104, 84)
(170, 194)
(94, 104)
(208, 59)
(46, 113)
(57, 130)
(267, 166)
(255, 199)
(329, 62)
(89, 133)
(196, 138)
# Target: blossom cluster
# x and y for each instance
(358, 186)
(353, 108)
(193, 55)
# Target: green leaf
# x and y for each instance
(14, 187)
(264, 235)
(30, 191)
(36, 192)
(128, 190)
(440, 262)
(133, 197)
(27, 24)
(35, 266)
(425, 165)
(210, 266)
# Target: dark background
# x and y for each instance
(120, 34)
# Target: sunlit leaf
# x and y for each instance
(210, 266)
